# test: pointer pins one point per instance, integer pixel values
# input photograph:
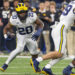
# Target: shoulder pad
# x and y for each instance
(14, 15)
(32, 15)
(13, 19)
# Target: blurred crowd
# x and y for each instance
(48, 11)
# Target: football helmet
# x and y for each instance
(22, 11)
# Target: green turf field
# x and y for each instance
(21, 66)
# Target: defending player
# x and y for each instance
(59, 36)
(24, 21)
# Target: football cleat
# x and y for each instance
(31, 61)
(35, 64)
(4, 67)
(67, 70)
(46, 71)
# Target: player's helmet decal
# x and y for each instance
(21, 10)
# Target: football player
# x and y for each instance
(59, 36)
(24, 21)
(68, 69)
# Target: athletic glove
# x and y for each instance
(36, 35)
(5, 36)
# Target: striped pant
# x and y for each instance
(59, 38)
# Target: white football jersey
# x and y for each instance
(26, 27)
(68, 15)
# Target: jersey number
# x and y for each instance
(5, 14)
(26, 30)
(30, 14)
(66, 10)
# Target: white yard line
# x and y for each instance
(2, 56)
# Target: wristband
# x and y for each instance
(5, 36)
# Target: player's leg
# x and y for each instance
(33, 48)
(47, 68)
(14, 53)
(68, 69)
(59, 38)
(60, 42)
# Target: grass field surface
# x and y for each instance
(21, 66)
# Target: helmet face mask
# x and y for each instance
(22, 15)
(22, 11)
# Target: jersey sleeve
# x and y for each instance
(33, 16)
(13, 19)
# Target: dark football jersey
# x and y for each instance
(5, 14)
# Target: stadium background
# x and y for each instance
(49, 12)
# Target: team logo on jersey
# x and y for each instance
(74, 10)
(44, 14)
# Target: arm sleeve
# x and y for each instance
(34, 17)
(11, 21)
